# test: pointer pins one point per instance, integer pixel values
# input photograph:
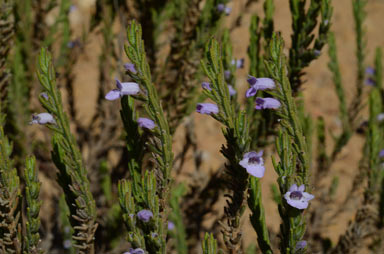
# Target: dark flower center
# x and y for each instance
(198, 107)
(296, 195)
(254, 160)
(259, 101)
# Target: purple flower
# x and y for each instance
(232, 90)
(144, 215)
(370, 71)
(317, 52)
(239, 63)
(370, 82)
(171, 225)
(72, 8)
(125, 88)
(206, 86)
(259, 84)
(135, 251)
(207, 108)
(130, 67)
(223, 8)
(381, 153)
(67, 244)
(42, 118)
(44, 95)
(296, 197)
(326, 22)
(265, 103)
(380, 117)
(227, 74)
(146, 123)
(71, 44)
(301, 245)
(254, 164)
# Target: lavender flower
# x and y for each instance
(370, 82)
(317, 52)
(207, 108)
(380, 117)
(381, 153)
(171, 225)
(296, 197)
(301, 245)
(239, 63)
(130, 67)
(146, 123)
(370, 71)
(223, 8)
(227, 74)
(144, 215)
(265, 103)
(206, 86)
(44, 95)
(254, 164)
(135, 251)
(258, 84)
(232, 90)
(125, 88)
(72, 8)
(42, 118)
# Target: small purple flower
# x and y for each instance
(239, 63)
(171, 225)
(72, 8)
(370, 71)
(44, 95)
(380, 117)
(381, 154)
(130, 67)
(267, 103)
(232, 90)
(135, 251)
(301, 245)
(206, 86)
(254, 164)
(296, 197)
(146, 123)
(223, 8)
(227, 74)
(67, 244)
(370, 82)
(144, 215)
(71, 44)
(317, 52)
(207, 108)
(259, 84)
(326, 22)
(125, 88)
(42, 118)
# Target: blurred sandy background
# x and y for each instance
(320, 98)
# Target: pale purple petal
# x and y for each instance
(307, 196)
(206, 86)
(171, 225)
(267, 103)
(227, 74)
(227, 10)
(130, 67)
(381, 153)
(317, 52)
(293, 188)
(253, 163)
(301, 245)
(207, 108)
(144, 215)
(370, 82)
(129, 88)
(251, 92)
(42, 118)
(240, 63)
(232, 90)
(113, 95)
(301, 187)
(44, 95)
(261, 83)
(380, 117)
(146, 123)
(220, 7)
(370, 71)
(118, 84)
(135, 251)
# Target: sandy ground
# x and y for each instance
(320, 99)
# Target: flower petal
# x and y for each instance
(129, 88)
(293, 188)
(301, 188)
(113, 95)
(207, 108)
(251, 92)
